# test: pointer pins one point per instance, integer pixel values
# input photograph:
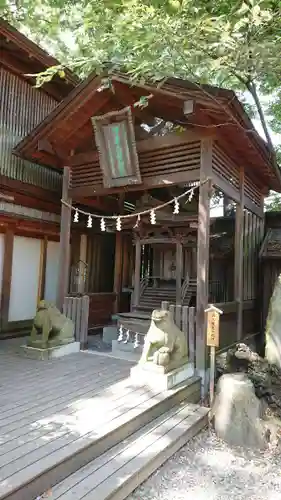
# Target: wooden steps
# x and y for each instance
(153, 296)
(44, 455)
(116, 473)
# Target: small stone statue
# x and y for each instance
(164, 341)
(50, 328)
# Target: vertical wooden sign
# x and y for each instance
(213, 326)
(213, 341)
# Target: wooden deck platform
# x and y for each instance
(57, 416)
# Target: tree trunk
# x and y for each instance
(251, 86)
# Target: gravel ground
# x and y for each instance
(207, 469)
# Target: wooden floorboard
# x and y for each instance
(104, 476)
(63, 393)
(47, 405)
(58, 409)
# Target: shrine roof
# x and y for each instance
(203, 109)
(23, 57)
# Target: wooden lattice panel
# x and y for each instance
(152, 163)
(179, 157)
(252, 191)
(225, 167)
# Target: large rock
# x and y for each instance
(273, 327)
(237, 412)
(266, 378)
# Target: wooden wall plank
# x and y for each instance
(64, 251)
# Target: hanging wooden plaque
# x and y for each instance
(115, 139)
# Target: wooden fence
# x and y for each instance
(77, 309)
(184, 317)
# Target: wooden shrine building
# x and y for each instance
(29, 193)
(137, 147)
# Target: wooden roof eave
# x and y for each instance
(72, 104)
(30, 142)
(33, 50)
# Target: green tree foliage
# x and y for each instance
(231, 43)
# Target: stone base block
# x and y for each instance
(109, 333)
(129, 347)
(155, 377)
(51, 353)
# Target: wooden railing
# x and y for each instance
(101, 308)
(184, 317)
(77, 309)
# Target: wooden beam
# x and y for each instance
(203, 259)
(6, 197)
(64, 248)
(136, 296)
(25, 188)
(165, 241)
(178, 272)
(7, 275)
(238, 264)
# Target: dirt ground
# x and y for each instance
(208, 469)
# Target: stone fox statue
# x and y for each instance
(164, 340)
(50, 327)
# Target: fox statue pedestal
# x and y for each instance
(52, 334)
(164, 360)
(159, 377)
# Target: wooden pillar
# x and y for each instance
(43, 263)
(118, 269)
(137, 272)
(178, 272)
(203, 260)
(126, 260)
(7, 276)
(82, 262)
(64, 248)
(239, 252)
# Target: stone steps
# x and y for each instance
(116, 473)
(118, 412)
